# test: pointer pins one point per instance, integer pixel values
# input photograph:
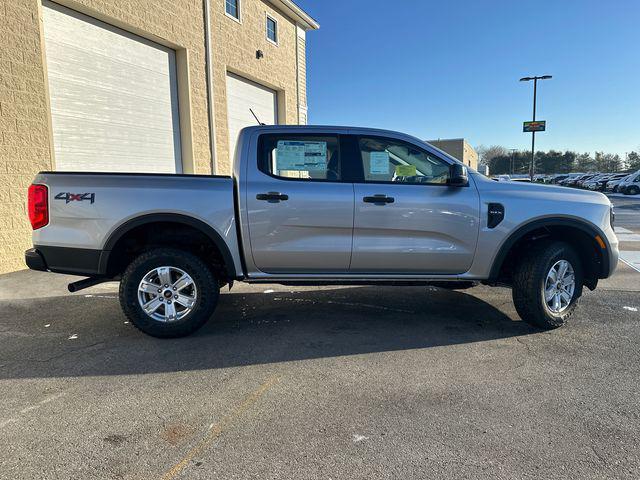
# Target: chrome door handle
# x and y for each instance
(379, 199)
(272, 197)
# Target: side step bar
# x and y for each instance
(86, 283)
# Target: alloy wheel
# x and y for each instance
(559, 286)
(167, 294)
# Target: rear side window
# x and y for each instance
(301, 157)
(389, 160)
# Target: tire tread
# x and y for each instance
(526, 284)
(208, 292)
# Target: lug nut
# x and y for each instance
(169, 302)
(166, 285)
(159, 290)
(175, 296)
(174, 289)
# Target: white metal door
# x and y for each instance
(243, 96)
(114, 99)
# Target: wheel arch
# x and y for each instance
(155, 218)
(551, 225)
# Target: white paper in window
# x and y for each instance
(301, 156)
(315, 156)
(290, 155)
(379, 163)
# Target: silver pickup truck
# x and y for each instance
(310, 205)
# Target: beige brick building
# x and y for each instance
(458, 148)
(138, 85)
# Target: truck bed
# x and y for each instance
(87, 210)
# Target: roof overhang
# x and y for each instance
(297, 14)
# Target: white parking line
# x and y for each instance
(620, 195)
(631, 258)
(628, 237)
(30, 408)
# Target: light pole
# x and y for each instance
(533, 133)
(513, 152)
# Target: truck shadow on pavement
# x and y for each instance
(88, 334)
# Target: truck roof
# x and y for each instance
(350, 129)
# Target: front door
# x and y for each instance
(407, 220)
(300, 212)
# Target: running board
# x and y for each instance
(86, 283)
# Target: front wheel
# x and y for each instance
(168, 293)
(547, 284)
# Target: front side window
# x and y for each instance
(272, 30)
(301, 157)
(232, 8)
(389, 160)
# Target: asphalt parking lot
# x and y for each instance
(328, 382)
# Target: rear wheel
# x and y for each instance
(547, 284)
(633, 190)
(168, 293)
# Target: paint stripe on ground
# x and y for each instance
(217, 429)
(631, 258)
(628, 237)
(620, 230)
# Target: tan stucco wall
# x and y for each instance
(276, 70)
(470, 156)
(24, 145)
(458, 148)
(24, 111)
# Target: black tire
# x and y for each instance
(632, 190)
(203, 278)
(529, 284)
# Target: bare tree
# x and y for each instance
(487, 154)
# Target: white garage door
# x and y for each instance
(243, 96)
(114, 103)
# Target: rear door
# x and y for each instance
(300, 208)
(407, 219)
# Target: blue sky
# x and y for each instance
(443, 69)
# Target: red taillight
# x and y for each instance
(38, 206)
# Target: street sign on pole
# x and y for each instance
(535, 126)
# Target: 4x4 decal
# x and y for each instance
(75, 197)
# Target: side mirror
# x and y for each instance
(458, 175)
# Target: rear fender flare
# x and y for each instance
(129, 225)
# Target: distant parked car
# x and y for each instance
(566, 181)
(613, 185)
(631, 184)
(592, 184)
(601, 184)
(585, 178)
(557, 178)
(574, 182)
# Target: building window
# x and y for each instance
(272, 30)
(232, 7)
